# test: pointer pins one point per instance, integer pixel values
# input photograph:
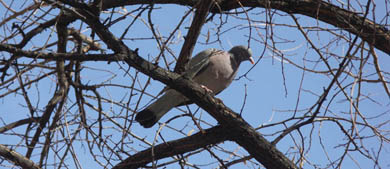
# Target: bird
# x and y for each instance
(213, 69)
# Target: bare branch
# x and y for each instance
(17, 158)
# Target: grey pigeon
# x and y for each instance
(213, 69)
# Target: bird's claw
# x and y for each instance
(207, 89)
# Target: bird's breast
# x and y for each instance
(218, 75)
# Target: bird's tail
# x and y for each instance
(152, 114)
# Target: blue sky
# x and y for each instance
(272, 88)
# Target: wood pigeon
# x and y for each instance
(213, 69)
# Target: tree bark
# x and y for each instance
(199, 140)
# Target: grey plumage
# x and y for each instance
(212, 68)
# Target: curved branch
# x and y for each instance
(199, 140)
(18, 123)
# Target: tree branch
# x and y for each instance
(58, 56)
(199, 140)
(18, 123)
(352, 22)
(17, 158)
(193, 34)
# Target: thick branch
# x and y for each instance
(193, 34)
(199, 140)
(240, 130)
(17, 158)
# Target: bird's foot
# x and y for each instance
(207, 89)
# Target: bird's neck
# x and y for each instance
(234, 62)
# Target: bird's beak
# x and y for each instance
(251, 60)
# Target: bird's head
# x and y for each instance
(242, 53)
